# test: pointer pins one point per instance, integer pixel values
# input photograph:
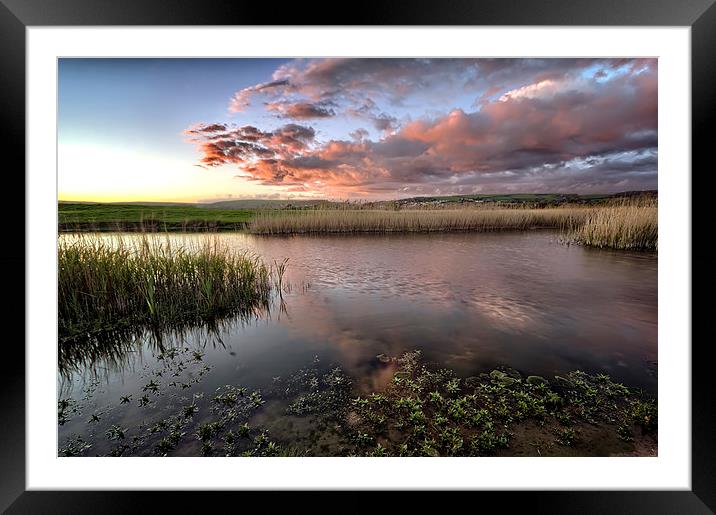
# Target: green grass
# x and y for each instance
(111, 283)
(107, 214)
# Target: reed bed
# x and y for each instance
(443, 220)
(629, 226)
(624, 224)
(109, 284)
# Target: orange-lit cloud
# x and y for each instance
(538, 125)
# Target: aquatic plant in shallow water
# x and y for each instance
(383, 221)
(623, 224)
(423, 411)
(106, 284)
(427, 412)
(116, 294)
(627, 225)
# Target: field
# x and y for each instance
(135, 216)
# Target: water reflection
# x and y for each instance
(112, 351)
(470, 302)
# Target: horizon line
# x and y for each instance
(308, 199)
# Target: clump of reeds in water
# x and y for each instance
(114, 283)
(627, 225)
(437, 220)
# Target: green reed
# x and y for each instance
(107, 284)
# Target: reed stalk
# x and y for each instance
(119, 282)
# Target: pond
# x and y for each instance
(469, 302)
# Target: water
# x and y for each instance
(469, 302)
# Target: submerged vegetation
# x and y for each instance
(423, 411)
(118, 284)
(429, 411)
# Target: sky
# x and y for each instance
(202, 130)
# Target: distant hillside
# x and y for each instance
(536, 199)
(261, 204)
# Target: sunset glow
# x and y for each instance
(192, 130)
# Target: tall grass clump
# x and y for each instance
(442, 220)
(111, 284)
(628, 226)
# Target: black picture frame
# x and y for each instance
(17, 15)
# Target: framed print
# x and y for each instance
(405, 251)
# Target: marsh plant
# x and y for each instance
(423, 411)
(107, 284)
(621, 224)
(428, 411)
(626, 225)
(416, 220)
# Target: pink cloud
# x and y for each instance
(559, 130)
